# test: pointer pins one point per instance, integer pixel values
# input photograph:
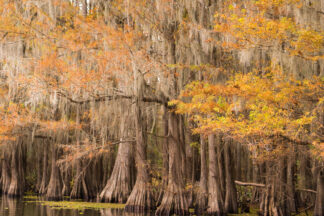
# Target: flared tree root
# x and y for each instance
(174, 202)
(141, 199)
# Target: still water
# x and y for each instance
(33, 207)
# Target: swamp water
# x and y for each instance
(34, 206)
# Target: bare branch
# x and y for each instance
(249, 184)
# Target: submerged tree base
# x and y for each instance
(173, 202)
(140, 200)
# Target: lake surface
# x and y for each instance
(35, 207)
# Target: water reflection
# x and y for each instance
(28, 207)
(118, 212)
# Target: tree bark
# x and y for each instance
(54, 188)
(202, 199)
(39, 153)
(215, 201)
(304, 180)
(291, 196)
(81, 188)
(119, 185)
(174, 200)
(275, 199)
(319, 203)
(220, 165)
(256, 193)
(43, 185)
(140, 199)
(5, 172)
(165, 156)
(66, 191)
(17, 182)
(230, 196)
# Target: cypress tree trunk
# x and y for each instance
(81, 188)
(230, 196)
(5, 172)
(256, 193)
(165, 157)
(43, 185)
(304, 177)
(119, 185)
(220, 165)
(39, 153)
(17, 183)
(140, 199)
(54, 188)
(238, 162)
(215, 201)
(77, 191)
(202, 199)
(93, 183)
(66, 191)
(174, 200)
(291, 167)
(275, 198)
(319, 203)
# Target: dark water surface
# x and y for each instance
(32, 207)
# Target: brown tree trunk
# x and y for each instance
(202, 199)
(185, 168)
(66, 191)
(230, 196)
(77, 191)
(93, 183)
(140, 199)
(54, 188)
(275, 198)
(39, 152)
(215, 201)
(5, 172)
(319, 203)
(119, 185)
(80, 187)
(165, 157)
(305, 177)
(43, 185)
(256, 192)
(220, 165)
(238, 162)
(17, 182)
(174, 200)
(291, 167)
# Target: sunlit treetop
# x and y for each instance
(268, 24)
(256, 109)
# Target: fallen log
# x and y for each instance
(249, 184)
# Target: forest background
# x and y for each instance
(165, 105)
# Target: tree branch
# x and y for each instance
(263, 186)
(113, 97)
(249, 184)
(306, 190)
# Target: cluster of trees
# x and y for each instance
(164, 105)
